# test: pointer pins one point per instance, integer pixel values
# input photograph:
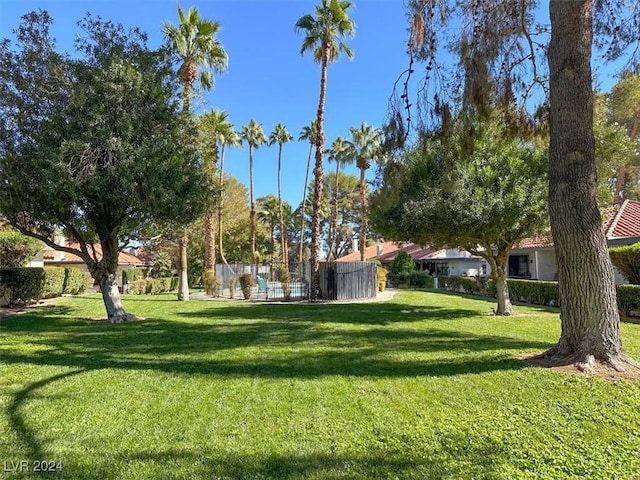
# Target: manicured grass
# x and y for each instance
(424, 387)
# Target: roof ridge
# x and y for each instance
(616, 219)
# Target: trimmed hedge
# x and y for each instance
(627, 259)
(53, 285)
(538, 292)
(628, 299)
(153, 286)
(416, 279)
(21, 285)
(130, 275)
(76, 281)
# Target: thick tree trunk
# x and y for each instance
(183, 281)
(318, 173)
(364, 220)
(589, 314)
(111, 298)
(502, 292)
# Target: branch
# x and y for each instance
(50, 243)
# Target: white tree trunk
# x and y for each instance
(112, 300)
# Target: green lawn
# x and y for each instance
(423, 387)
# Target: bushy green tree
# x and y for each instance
(16, 249)
(481, 196)
(403, 263)
(107, 135)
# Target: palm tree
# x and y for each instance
(194, 39)
(281, 135)
(365, 147)
(339, 152)
(268, 214)
(253, 134)
(229, 139)
(309, 133)
(214, 129)
(323, 36)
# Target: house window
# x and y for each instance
(483, 269)
(519, 266)
(438, 268)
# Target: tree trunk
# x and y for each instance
(221, 206)
(333, 229)
(183, 281)
(502, 292)
(318, 174)
(209, 240)
(589, 314)
(283, 231)
(304, 205)
(252, 212)
(364, 220)
(111, 297)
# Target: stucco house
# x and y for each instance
(532, 258)
(54, 258)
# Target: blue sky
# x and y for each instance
(267, 78)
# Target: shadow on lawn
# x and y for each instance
(380, 463)
(296, 342)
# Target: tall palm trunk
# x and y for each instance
(334, 217)
(252, 213)
(183, 279)
(209, 222)
(283, 231)
(589, 315)
(364, 221)
(221, 206)
(304, 204)
(318, 176)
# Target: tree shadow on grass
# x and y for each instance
(267, 348)
(484, 460)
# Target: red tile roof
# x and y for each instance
(620, 221)
(371, 252)
(390, 250)
(123, 258)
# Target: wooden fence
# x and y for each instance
(348, 280)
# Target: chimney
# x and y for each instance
(379, 250)
(355, 245)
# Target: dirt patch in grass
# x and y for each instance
(599, 370)
(6, 312)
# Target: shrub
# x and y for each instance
(156, 286)
(471, 285)
(232, 287)
(210, 283)
(138, 287)
(421, 279)
(534, 291)
(627, 259)
(628, 298)
(22, 285)
(53, 284)
(399, 280)
(130, 275)
(382, 278)
(403, 263)
(76, 281)
(284, 277)
(246, 283)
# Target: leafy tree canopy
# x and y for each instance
(95, 146)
